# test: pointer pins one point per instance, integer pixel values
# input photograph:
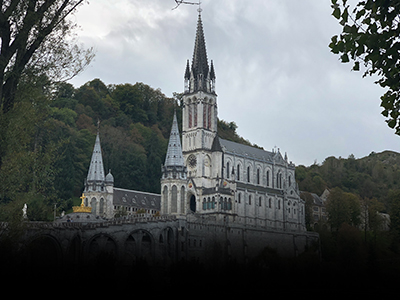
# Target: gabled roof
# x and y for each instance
(96, 168)
(174, 155)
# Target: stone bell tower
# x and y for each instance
(98, 187)
(200, 113)
(174, 179)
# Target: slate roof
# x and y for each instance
(247, 151)
(174, 155)
(316, 199)
(137, 199)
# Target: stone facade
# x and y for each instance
(219, 177)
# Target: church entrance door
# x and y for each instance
(192, 203)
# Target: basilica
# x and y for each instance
(205, 176)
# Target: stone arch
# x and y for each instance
(144, 244)
(44, 251)
(102, 247)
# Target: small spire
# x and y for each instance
(96, 168)
(174, 153)
(212, 72)
(187, 71)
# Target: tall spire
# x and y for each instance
(198, 77)
(174, 153)
(96, 168)
(200, 62)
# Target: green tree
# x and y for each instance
(36, 30)
(308, 215)
(370, 36)
(342, 208)
(394, 202)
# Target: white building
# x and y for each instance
(206, 175)
(213, 176)
(106, 200)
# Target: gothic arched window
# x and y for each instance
(165, 200)
(183, 200)
(190, 114)
(174, 199)
(195, 114)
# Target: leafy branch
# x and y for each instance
(371, 35)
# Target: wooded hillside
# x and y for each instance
(369, 177)
(52, 131)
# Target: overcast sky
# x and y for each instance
(276, 77)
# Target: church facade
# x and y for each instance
(207, 175)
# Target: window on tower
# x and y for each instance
(190, 115)
(195, 114)
(209, 117)
(204, 115)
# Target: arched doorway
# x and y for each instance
(192, 203)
